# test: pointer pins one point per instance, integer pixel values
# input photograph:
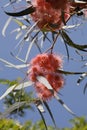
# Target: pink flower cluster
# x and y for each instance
(46, 65)
(51, 13)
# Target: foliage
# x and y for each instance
(16, 96)
(79, 124)
(19, 96)
(9, 124)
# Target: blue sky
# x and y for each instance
(72, 94)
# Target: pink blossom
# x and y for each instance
(51, 13)
(46, 65)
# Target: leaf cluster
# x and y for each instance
(9, 124)
(16, 96)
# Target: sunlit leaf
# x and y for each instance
(19, 66)
(9, 90)
(39, 105)
(18, 22)
(81, 78)
(85, 65)
(80, 1)
(23, 85)
(18, 35)
(6, 25)
(20, 29)
(64, 105)
(22, 40)
(9, 63)
(71, 26)
(45, 82)
(16, 87)
(29, 48)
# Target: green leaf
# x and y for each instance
(5, 81)
(67, 50)
(13, 107)
(68, 41)
(68, 72)
(81, 78)
(43, 119)
(18, 22)
(51, 115)
(85, 88)
(27, 11)
(64, 105)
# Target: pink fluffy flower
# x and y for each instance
(51, 14)
(46, 65)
